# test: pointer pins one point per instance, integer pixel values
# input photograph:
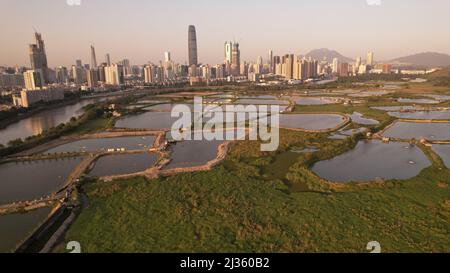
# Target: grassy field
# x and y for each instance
(242, 206)
(95, 125)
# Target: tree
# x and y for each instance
(15, 142)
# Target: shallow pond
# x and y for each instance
(395, 108)
(366, 94)
(103, 144)
(15, 228)
(191, 153)
(29, 180)
(444, 152)
(149, 120)
(374, 159)
(314, 100)
(261, 101)
(165, 107)
(419, 130)
(418, 101)
(44, 120)
(423, 115)
(123, 164)
(258, 97)
(310, 121)
(359, 118)
(438, 97)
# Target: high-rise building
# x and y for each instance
(62, 75)
(386, 68)
(289, 66)
(30, 97)
(38, 56)
(79, 63)
(236, 60)
(335, 67)
(167, 57)
(114, 74)
(192, 44)
(11, 80)
(370, 59)
(101, 72)
(126, 66)
(93, 58)
(244, 68)
(228, 52)
(108, 59)
(34, 79)
(344, 69)
(270, 61)
(149, 76)
(92, 78)
(357, 65)
(78, 74)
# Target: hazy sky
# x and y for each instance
(141, 30)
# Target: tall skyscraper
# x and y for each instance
(358, 61)
(62, 75)
(108, 60)
(93, 58)
(92, 78)
(149, 72)
(335, 67)
(192, 43)
(228, 52)
(78, 74)
(270, 61)
(167, 57)
(38, 56)
(258, 67)
(289, 66)
(370, 60)
(236, 60)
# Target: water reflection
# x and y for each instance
(14, 228)
(103, 144)
(423, 115)
(419, 130)
(310, 121)
(374, 159)
(123, 164)
(29, 180)
(43, 120)
(444, 152)
(190, 153)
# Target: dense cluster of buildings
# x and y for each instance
(43, 84)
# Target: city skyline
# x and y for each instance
(359, 24)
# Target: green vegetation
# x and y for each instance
(244, 205)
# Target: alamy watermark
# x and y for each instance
(227, 122)
(73, 2)
(373, 2)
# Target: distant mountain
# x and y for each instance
(329, 55)
(426, 59)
